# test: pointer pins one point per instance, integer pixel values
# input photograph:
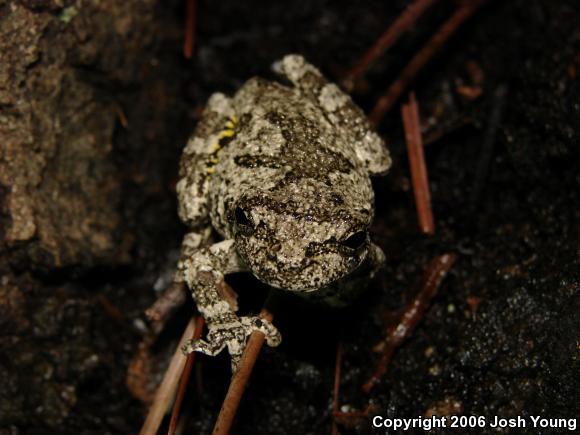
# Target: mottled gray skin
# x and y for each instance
(282, 173)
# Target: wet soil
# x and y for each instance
(96, 103)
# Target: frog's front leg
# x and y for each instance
(376, 259)
(204, 273)
(349, 289)
(345, 291)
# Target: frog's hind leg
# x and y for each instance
(195, 169)
(340, 110)
(196, 165)
(199, 158)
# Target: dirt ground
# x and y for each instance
(96, 103)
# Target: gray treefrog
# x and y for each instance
(282, 173)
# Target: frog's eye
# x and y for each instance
(356, 240)
(242, 218)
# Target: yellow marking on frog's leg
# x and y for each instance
(227, 133)
(230, 125)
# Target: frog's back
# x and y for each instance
(285, 146)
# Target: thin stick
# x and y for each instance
(446, 127)
(486, 152)
(139, 368)
(410, 113)
(111, 309)
(405, 20)
(354, 414)
(166, 390)
(336, 392)
(240, 379)
(189, 29)
(171, 299)
(122, 117)
(386, 102)
(199, 323)
(432, 278)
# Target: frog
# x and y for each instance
(281, 173)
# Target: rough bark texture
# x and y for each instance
(96, 102)
(60, 65)
(67, 70)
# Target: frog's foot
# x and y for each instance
(233, 332)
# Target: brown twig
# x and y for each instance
(432, 278)
(199, 323)
(121, 115)
(138, 372)
(189, 28)
(446, 127)
(405, 20)
(171, 299)
(410, 114)
(351, 419)
(386, 102)
(240, 379)
(111, 309)
(486, 153)
(355, 414)
(166, 390)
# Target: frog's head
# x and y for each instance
(301, 242)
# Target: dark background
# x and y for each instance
(96, 103)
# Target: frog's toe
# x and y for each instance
(211, 348)
(256, 323)
(234, 335)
